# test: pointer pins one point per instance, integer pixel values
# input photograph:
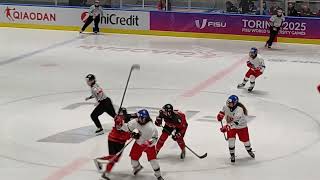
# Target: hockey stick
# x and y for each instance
(133, 67)
(225, 137)
(98, 161)
(199, 156)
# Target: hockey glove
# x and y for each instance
(250, 65)
(220, 116)
(135, 135)
(158, 121)
(225, 128)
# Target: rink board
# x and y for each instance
(194, 25)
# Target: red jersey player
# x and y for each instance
(256, 65)
(116, 141)
(234, 112)
(175, 121)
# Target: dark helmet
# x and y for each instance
(168, 108)
(123, 111)
(90, 77)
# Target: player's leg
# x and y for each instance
(98, 110)
(96, 24)
(109, 107)
(166, 132)
(135, 155)
(244, 137)
(152, 158)
(182, 146)
(271, 38)
(273, 35)
(231, 134)
(253, 77)
(114, 148)
(87, 23)
(246, 78)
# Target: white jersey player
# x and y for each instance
(235, 114)
(256, 65)
(146, 135)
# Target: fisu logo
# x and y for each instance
(201, 24)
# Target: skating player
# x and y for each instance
(256, 68)
(116, 142)
(104, 103)
(174, 122)
(95, 13)
(234, 112)
(146, 135)
(275, 22)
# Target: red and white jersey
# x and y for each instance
(235, 119)
(148, 131)
(257, 62)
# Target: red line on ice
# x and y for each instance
(213, 79)
(68, 169)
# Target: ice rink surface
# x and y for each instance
(46, 132)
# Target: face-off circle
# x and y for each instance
(63, 114)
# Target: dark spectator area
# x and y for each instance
(303, 8)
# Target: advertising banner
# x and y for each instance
(72, 17)
(233, 24)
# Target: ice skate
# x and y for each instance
(136, 170)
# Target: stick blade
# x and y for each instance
(135, 67)
(203, 156)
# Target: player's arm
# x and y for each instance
(101, 11)
(159, 118)
(221, 114)
(90, 97)
(261, 65)
(271, 21)
(128, 127)
(183, 124)
(91, 10)
(250, 65)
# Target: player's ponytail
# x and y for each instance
(245, 111)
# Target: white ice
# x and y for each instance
(42, 72)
